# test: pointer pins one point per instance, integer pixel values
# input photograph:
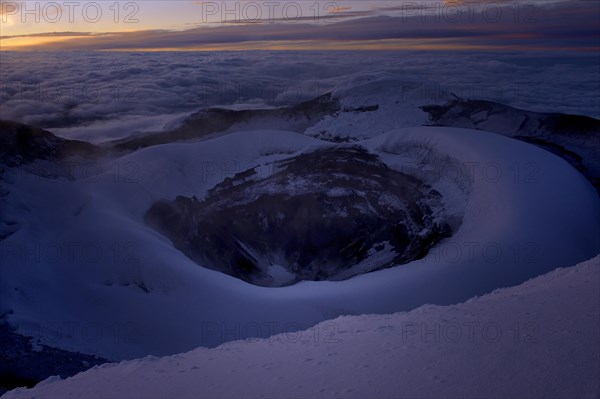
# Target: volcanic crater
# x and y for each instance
(329, 214)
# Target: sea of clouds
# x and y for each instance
(114, 94)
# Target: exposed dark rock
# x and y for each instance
(326, 136)
(500, 118)
(325, 215)
(25, 363)
(575, 138)
(22, 144)
(368, 108)
(207, 123)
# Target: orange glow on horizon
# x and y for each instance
(54, 43)
(34, 42)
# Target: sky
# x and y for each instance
(300, 25)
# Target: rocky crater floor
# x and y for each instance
(326, 215)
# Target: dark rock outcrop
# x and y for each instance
(206, 123)
(325, 215)
(39, 152)
(25, 363)
(575, 138)
(22, 144)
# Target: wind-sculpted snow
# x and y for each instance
(325, 215)
(535, 340)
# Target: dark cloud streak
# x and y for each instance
(560, 25)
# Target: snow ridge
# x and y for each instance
(523, 341)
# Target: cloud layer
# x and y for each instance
(145, 91)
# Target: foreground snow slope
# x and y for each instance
(130, 301)
(539, 339)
